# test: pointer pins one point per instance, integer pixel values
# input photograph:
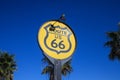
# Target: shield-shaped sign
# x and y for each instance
(57, 40)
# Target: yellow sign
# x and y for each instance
(56, 39)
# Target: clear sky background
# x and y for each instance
(20, 21)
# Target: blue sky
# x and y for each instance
(20, 21)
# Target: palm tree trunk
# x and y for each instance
(3, 78)
(51, 76)
(11, 78)
(0, 78)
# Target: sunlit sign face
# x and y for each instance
(56, 40)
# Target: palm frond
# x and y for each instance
(7, 65)
(66, 68)
(112, 35)
(114, 44)
(47, 70)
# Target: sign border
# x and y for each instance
(62, 23)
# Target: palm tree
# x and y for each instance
(114, 44)
(49, 69)
(7, 66)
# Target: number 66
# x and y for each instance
(55, 45)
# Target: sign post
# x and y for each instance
(58, 43)
(57, 70)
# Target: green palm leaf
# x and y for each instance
(114, 44)
(7, 65)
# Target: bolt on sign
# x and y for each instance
(56, 39)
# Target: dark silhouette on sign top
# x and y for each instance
(62, 18)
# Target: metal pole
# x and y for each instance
(57, 70)
(57, 66)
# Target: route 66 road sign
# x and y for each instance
(56, 39)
